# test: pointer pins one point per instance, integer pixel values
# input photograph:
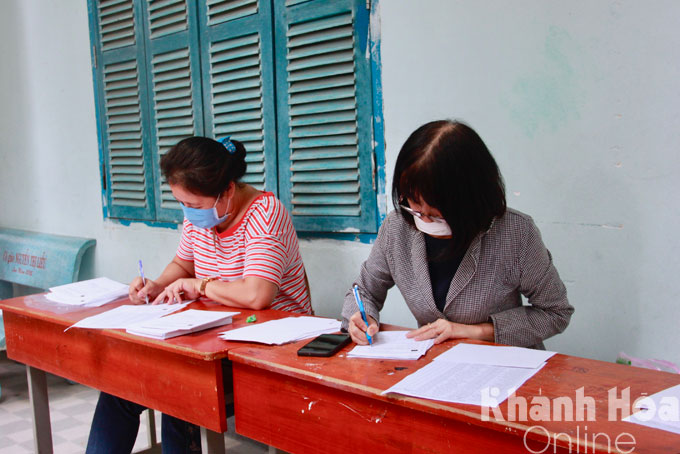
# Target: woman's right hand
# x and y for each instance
(138, 291)
(357, 328)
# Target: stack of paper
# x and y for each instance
(473, 374)
(90, 293)
(392, 345)
(277, 332)
(659, 410)
(496, 356)
(182, 323)
(125, 316)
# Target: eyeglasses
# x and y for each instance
(420, 215)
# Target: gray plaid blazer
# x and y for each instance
(507, 260)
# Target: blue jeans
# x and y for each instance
(116, 422)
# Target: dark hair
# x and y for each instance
(447, 165)
(204, 166)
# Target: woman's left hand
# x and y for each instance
(441, 330)
(181, 289)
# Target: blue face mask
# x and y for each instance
(205, 218)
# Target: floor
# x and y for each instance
(71, 409)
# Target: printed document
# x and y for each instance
(495, 355)
(189, 321)
(462, 383)
(392, 345)
(660, 410)
(90, 293)
(122, 317)
(282, 331)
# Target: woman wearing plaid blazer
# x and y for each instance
(460, 258)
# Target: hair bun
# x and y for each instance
(237, 160)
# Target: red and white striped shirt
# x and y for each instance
(263, 244)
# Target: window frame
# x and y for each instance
(371, 158)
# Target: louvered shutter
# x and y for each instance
(173, 62)
(295, 2)
(325, 115)
(238, 84)
(120, 81)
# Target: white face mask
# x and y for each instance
(434, 228)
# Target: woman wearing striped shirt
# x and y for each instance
(238, 248)
(238, 244)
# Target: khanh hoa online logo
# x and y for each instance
(580, 408)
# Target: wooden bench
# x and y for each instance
(43, 260)
(37, 260)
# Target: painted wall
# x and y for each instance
(578, 101)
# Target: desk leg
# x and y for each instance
(37, 392)
(212, 442)
(151, 426)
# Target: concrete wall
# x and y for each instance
(578, 101)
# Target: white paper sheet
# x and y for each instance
(277, 332)
(122, 317)
(89, 293)
(186, 322)
(495, 355)
(462, 383)
(392, 345)
(660, 411)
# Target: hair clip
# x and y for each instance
(229, 145)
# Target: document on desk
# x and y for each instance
(493, 355)
(89, 293)
(189, 321)
(392, 345)
(462, 383)
(282, 331)
(122, 317)
(659, 411)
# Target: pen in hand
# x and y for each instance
(141, 273)
(357, 298)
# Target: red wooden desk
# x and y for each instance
(333, 405)
(181, 376)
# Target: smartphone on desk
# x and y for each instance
(325, 345)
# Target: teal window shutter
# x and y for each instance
(291, 79)
(120, 92)
(324, 106)
(238, 81)
(175, 105)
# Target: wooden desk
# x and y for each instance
(181, 376)
(333, 405)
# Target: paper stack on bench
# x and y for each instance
(123, 317)
(658, 411)
(392, 345)
(189, 321)
(277, 332)
(466, 373)
(90, 293)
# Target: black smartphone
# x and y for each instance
(325, 345)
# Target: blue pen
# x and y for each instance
(141, 273)
(357, 298)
